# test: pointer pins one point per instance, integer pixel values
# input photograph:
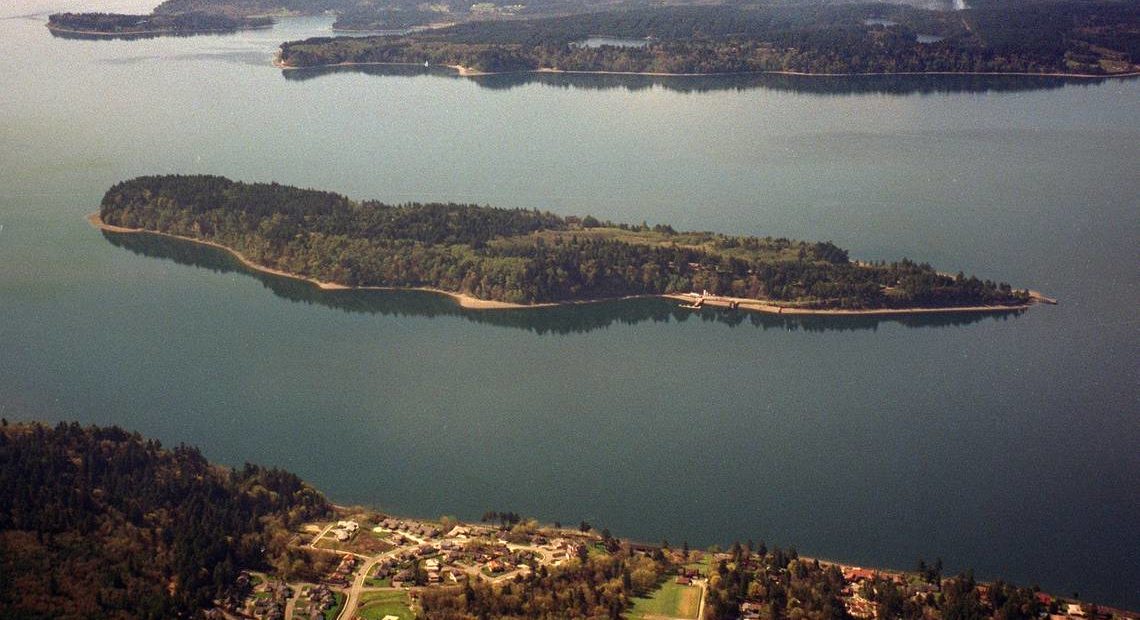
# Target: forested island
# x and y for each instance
(1065, 37)
(104, 523)
(119, 25)
(494, 257)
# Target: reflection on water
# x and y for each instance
(552, 320)
(807, 84)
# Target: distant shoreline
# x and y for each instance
(474, 303)
(151, 33)
(466, 72)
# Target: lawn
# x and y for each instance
(668, 601)
(334, 611)
(376, 605)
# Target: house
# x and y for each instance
(855, 574)
(750, 610)
(683, 580)
(348, 526)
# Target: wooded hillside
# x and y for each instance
(102, 523)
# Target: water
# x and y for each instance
(1007, 445)
(600, 41)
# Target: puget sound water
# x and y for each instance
(1006, 444)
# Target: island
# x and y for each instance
(100, 522)
(116, 25)
(492, 258)
(1065, 37)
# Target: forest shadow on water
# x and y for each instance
(556, 320)
(901, 85)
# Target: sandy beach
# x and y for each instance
(474, 303)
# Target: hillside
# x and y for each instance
(1077, 37)
(102, 523)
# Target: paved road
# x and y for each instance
(352, 601)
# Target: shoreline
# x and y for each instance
(466, 72)
(474, 303)
(152, 33)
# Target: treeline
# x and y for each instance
(1068, 36)
(778, 582)
(519, 256)
(116, 23)
(375, 18)
(102, 523)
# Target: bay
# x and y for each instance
(1004, 444)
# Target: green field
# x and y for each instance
(376, 605)
(668, 601)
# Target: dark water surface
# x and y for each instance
(1005, 444)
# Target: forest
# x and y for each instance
(1098, 37)
(102, 523)
(517, 255)
(119, 24)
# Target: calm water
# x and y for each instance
(600, 41)
(1009, 445)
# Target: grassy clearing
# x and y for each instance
(766, 249)
(376, 605)
(363, 543)
(668, 601)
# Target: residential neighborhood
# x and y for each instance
(383, 565)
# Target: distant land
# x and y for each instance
(100, 522)
(1062, 38)
(115, 25)
(492, 258)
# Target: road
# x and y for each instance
(352, 601)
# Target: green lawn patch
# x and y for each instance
(376, 605)
(669, 601)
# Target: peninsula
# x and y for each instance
(99, 522)
(509, 258)
(115, 25)
(1066, 37)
